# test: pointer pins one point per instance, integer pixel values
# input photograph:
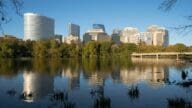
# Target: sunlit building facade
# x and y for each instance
(74, 34)
(96, 34)
(160, 35)
(127, 34)
(38, 27)
(146, 37)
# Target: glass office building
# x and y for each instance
(38, 27)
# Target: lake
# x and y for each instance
(93, 83)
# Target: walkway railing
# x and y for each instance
(177, 54)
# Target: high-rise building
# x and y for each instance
(147, 38)
(116, 36)
(74, 30)
(128, 33)
(160, 35)
(96, 34)
(58, 38)
(74, 34)
(38, 27)
(135, 38)
(71, 39)
(99, 26)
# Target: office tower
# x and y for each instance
(116, 36)
(74, 30)
(38, 27)
(128, 33)
(96, 34)
(99, 26)
(160, 35)
(74, 34)
(145, 37)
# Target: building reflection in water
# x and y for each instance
(73, 77)
(156, 73)
(36, 85)
(96, 79)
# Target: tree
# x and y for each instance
(105, 49)
(41, 48)
(8, 48)
(91, 49)
(177, 48)
(8, 6)
(127, 49)
(54, 50)
(167, 5)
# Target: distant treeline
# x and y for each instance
(12, 48)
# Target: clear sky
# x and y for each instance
(111, 13)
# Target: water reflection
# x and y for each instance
(73, 76)
(99, 83)
(36, 85)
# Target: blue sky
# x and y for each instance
(111, 13)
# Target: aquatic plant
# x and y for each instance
(102, 102)
(185, 83)
(184, 74)
(11, 92)
(133, 92)
(61, 98)
(178, 102)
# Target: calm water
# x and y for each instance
(84, 83)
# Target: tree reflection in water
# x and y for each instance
(97, 72)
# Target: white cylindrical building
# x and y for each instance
(37, 27)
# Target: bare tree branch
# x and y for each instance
(6, 6)
(167, 5)
(184, 29)
(17, 5)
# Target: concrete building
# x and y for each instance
(74, 34)
(155, 35)
(8, 37)
(128, 33)
(58, 38)
(96, 34)
(116, 36)
(38, 27)
(141, 37)
(160, 35)
(71, 39)
(146, 37)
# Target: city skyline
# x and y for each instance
(116, 14)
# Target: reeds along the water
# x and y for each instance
(102, 102)
(62, 98)
(178, 102)
(133, 92)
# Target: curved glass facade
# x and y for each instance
(37, 27)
